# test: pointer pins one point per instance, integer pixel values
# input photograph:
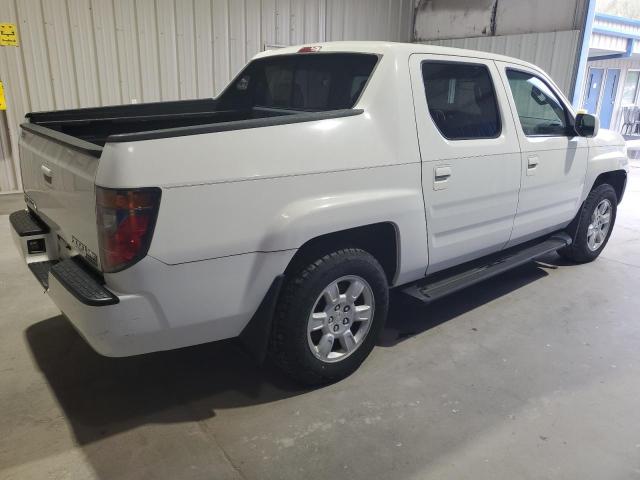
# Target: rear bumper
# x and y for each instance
(128, 327)
(162, 307)
(101, 316)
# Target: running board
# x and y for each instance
(442, 284)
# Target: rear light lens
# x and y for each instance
(126, 219)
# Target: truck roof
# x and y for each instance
(392, 49)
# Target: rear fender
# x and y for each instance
(308, 218)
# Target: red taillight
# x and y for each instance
(126, 219)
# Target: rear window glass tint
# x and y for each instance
(307, 82)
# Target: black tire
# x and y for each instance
(290, 348)
(579, 251)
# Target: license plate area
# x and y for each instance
(64, 249)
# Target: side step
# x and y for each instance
(26, 224)
(444, 283)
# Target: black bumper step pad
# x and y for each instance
(26, 224)
(41, 271)
(83, 284)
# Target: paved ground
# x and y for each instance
(11, 203)
(534, 375)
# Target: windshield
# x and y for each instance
(307, 82)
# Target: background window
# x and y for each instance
(630, 87)
(461, 100)
(539, 109)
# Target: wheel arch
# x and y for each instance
(380, 239)
(616, 178)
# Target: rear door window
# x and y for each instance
(305, 82)
(461, 100)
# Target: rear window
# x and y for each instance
(307, 82)
(461, 100)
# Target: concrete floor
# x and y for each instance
(534, 375)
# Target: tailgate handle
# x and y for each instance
(47, 173)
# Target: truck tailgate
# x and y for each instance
(58, 175)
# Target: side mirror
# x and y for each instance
(587, 125)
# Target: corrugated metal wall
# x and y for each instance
(554, 52)
(446, 19)
(80, 53)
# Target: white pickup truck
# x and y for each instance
(283, 210)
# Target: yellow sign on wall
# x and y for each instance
(3, 104)
(8, 35)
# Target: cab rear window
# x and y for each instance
(305, 82)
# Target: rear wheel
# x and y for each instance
(329, 316)
(593, 225)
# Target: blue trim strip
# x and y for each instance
(581, 69)
(628, 52)
(614, 32)
(614, 18)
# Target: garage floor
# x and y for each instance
(533, 375)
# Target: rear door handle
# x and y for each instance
(441, 173)
(441, 177)
(532, 163)
(46, 173)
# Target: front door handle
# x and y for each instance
(532, 163)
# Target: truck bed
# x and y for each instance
(269, 91)
(95, 125)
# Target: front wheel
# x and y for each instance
(594, 224)
(329, 316)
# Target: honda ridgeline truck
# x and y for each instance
(284, 210)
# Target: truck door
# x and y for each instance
(554, 157)
(470, 156)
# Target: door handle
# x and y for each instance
(441, 177)
(441, 174)
(47, 173)
(532, 163)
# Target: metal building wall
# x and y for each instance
(554, 52)
(82, 53)
(609, 42)
(446, 19)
